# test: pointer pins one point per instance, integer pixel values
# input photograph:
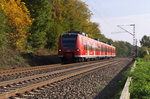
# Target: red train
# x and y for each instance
(78, 46)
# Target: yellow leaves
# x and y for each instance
(18, 19)
(1, 6)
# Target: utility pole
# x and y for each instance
(133, 34)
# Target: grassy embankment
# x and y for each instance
(10, 59)
(140, 84)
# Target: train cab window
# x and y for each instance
(69, 41)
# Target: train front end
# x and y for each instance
(68, 46)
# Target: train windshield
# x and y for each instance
(69, 41)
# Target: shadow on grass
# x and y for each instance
(110, 92)
(38, 60)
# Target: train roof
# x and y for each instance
(86, 35)
(78, 32)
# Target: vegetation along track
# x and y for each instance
(10, 88)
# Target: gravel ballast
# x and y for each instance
(96, 84)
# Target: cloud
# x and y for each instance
(109, 25)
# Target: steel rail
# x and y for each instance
(34, 86)
(5, 83)
(31, 69)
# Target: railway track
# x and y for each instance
(24, 72)
(21, 85)
(30, 69)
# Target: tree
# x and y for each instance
(77, 14)
(93, 30)
(130, 48)
(19, 22)
(3, 30)
(121, 49)
(40, 12)
(68, 15)
(143, 51)
(145, 41)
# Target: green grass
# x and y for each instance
(140, 84)
(19, 58)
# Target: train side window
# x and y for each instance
(87, 47)
(107, 49)
(104, 49)
(100, 48)
(90, 48)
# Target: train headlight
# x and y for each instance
(78, 49)
(59, 50)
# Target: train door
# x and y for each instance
(94, 47)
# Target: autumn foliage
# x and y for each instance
(18, 20)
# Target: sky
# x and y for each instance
(110, 13)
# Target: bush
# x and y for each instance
(140, 86)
